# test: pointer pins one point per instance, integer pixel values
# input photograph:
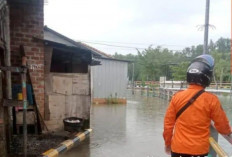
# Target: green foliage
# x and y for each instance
(221, 54)
(179, 71)
(153, 63)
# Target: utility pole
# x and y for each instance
(206, 35)
(133, 84)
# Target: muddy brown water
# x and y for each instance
(132, 130)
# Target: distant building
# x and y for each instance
(110, 81)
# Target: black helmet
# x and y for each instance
(200, 70)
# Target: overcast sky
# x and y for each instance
(131, 24)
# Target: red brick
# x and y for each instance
(39, 62)
(35, 58)
(30, 53)
(34, 49)
(28, 36)
(20, 35)
(40, 86)
(41, 72)
(25, 40)
(26, 22)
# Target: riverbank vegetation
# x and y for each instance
(152, 63)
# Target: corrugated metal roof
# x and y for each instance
(98, 51)
(53, 36)
(113, 59)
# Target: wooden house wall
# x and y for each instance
(66, 95)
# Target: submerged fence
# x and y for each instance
(156, 92)
(167, 93)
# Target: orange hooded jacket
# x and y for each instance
(189, 134)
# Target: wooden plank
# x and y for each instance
(62, 85)
(12, 69)
(10, 103)
(47, 80)
(57, 111)
(31, 118)
(57, 107)
(81, 85)
(70, 106)
(86, 101)
(77, 106)
(5, 113)
(48, 58)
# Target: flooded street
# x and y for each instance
(132, 130)
(226, 101)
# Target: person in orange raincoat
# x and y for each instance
(188, 134)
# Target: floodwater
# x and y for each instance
(132, 130)
(226, 101)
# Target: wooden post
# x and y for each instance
(231, 82)
(164, 81)
(153, 91)
(8, 54)
(24, 93)
(5, 23)
(87, 121)
(181, 85)
(133, 84)
(169, 95)
(166, 94)
(148, 88)
(48, 58)
(3, 152)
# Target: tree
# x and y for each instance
(152, 63)
(221, 54)
(179, 71)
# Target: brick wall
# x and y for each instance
(26, 22)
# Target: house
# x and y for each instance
(67, 80)
(58, 73)
(109, 79)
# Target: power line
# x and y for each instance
(128, 43)
(115, 45)
(115, 42)
(117, 49)
(120, 46)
